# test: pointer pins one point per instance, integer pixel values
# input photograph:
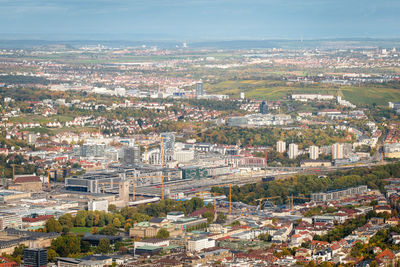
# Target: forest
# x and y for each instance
(304, 185)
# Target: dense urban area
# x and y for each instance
(154, 155)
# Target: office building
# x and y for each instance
(199, 89)
(337, 151)
(35, 257)
(131, 154)
(92, 150)
(263, 108)
(314, 152)
(293, 151)
(168, 140)
(281, 146)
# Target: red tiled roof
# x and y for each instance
(385, 254)
(37, 219)
(27, 179)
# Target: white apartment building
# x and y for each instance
(293, 150)
(281, 146)
(314, 152)
(337, 151)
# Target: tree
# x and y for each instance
(66, 220)
(52, 225)
(116, 223)
(104, 246)
(112, 208)
(209, 215)
(19, 251)
(80, 218)
(52, 255)
(162, 233)
(127, 226)
(94, 230)
(108, 230)
(66, 245)
(221, 218)
(265, 237)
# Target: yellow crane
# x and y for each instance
(162, 152)
(146, 146)
(104, 183)
(230, 196)
(291, 198)
(265, 198)
(212, 193)
(156, 176)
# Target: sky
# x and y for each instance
(198, 20)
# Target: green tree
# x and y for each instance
(221, 218)
(162, 233)
(52, 225)
(112, 208)
(66, 220)
(209, 215)
(104, 246)
(52, 255)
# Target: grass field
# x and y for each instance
(275, 90)
(83, 230)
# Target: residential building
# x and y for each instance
(337, 151)
(281, 146)
(293, 151)
(337, 194)
(314, 152)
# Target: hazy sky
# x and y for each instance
(198, 19)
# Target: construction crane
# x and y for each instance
(157, 176)
(291, 198)
(146, 160)
(212, 193)
(162, 152)
(265, 198)
(104, 183)
(230, 196)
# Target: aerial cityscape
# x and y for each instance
(199, 144)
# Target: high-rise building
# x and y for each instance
(168, 140)
(337, 151)
(263, 108)
(281, 146)
(314, 152)
(92, 150)
(131, 154)
(293, 151)
(199, 88)
(35, 257)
